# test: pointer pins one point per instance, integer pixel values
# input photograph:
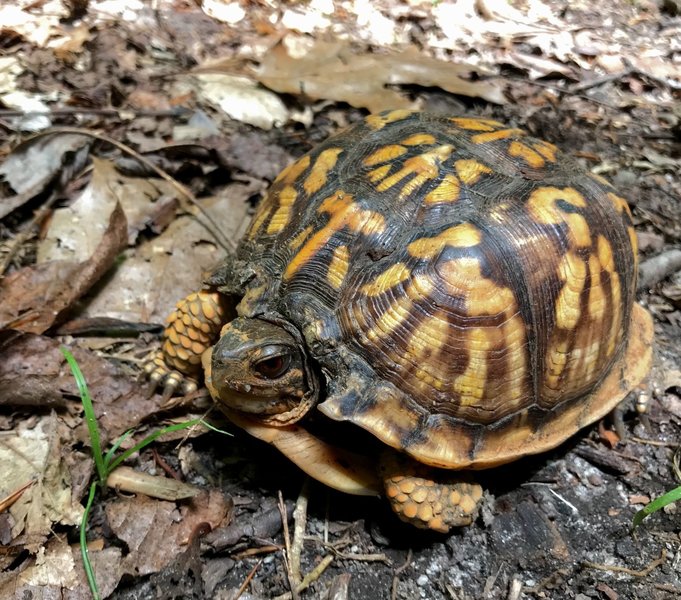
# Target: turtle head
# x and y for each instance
(259, 368)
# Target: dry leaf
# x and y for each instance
(242, 99)
(147, 285)
(36, 298)
(35, 453)
(68, 49)
(156, 531)
(120, 402)
(333, 71)
(34, 164)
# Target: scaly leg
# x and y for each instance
(426, 497)
(192, 328)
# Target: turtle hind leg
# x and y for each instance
(428, 498)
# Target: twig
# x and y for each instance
(585, 85)
(248, 579)
(398, 572)
(633, 438)
(299, 526)
(634, 573)
(309, 579)
(293, 583)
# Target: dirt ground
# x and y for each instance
(553, 526)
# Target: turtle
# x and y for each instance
(449, 293)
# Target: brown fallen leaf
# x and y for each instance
(36, 452)
(35, 298)
(335, 71)
(34, 164)
(156, 531)
(120, 402)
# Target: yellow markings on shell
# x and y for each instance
(470, 170)
(483, 296)
(297, 241)
(621, 205)
(320, 170)
(546, 149)
(293, 171)
(447, 190)
(524, 152)
(423, 167)
(269, 205)
(263, 211)
(384, 154)
(394, 315)
(419, 139)
(343, 213)
(555, 364)
(392, 276)
(605, 256)
(470, 385)
(600, 179)
(400, 309)
(338, 269)
(597, 300)
(543, 206)
(492, 136)
(378, 174)
(464, 235)
(379, 121)
(607, 260)
(476, 124)
(287, 197)
(572, 271)
(616, 294)
(429, 336)
(515, 337)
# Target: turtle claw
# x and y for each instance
(159, 374)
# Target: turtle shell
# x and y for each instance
(463, 288)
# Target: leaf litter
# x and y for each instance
(292, 64)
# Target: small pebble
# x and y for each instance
(422, 580)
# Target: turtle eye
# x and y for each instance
(273, 367)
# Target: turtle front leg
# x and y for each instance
(191, 329)
(428, 498)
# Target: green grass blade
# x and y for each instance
(116, 445)
(149, 439)
(671, 496)
(87, 565)
(90, 417)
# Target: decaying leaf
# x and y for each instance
(120, 403)
(33, 299)
(76, 230)
(147, 285)
(34, 453)
(333, 71)
(156, 531)
(242, 99)
(35, 163)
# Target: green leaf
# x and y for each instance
(657, 504)
(90, 417)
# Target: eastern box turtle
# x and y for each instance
(458, 289)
